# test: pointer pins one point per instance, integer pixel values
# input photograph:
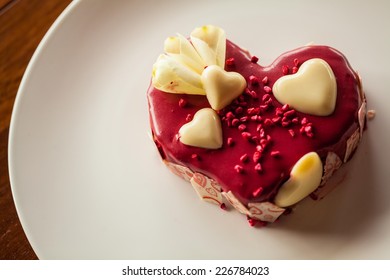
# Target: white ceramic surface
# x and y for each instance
(88, 183)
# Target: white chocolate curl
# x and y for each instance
(179, 69)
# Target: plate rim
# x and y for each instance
(16, 111)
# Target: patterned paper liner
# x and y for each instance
(332, 164)
(209, 190)
(362, 117)
(352, 144)
(354, 139)
(332, 183)
(331, 179)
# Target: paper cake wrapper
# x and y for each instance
(210, 191)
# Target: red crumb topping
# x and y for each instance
(285, 69)
(239, 169)
(244, 158)
(275, 153)
(230, 142)
(258, 168)
(257, 192)
(195, 156)
(267, 89)
(189, 118)
(253, 80)
(230, 62)
(252, 222)
(182, 103)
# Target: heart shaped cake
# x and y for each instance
(259, 138)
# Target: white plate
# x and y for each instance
(88, 183)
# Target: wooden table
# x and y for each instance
(23, 23)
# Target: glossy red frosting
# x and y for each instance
(286, 145)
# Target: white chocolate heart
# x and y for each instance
(204, 131)
(312, 90)
(221, 87)
(305, 177)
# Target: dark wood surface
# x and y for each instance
(23, 23)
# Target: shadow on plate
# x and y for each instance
(348, 210)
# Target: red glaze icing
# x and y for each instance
(284, 133)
